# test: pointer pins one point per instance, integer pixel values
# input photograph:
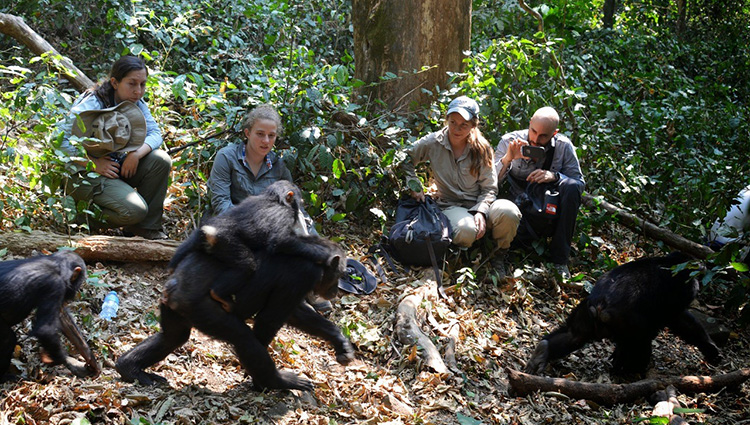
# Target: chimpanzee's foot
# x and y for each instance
(286, 380)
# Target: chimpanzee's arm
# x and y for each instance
(47, 322)
(311, 247)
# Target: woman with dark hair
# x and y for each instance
(122, 140)
(462, 167)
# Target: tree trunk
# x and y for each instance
(15, 27)
(681, 16)
(91, 248)
(609, 14)
(651, 230)
(400, 37)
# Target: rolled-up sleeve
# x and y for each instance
(153, 131)
(219, 184)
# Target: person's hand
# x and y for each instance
(419, 196)
(541, 176)
(481, 224)
(129, 166)
(107, 167)
(514, 150)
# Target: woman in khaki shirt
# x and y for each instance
(463, 169)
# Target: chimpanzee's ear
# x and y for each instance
(76, 273)
(290, 197)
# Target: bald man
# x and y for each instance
(557, 169)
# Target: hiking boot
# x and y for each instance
(563, 271)
(498, 263)
(150, 234)
(320, 304)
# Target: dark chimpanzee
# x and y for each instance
(43, 283)
(271, 221)
(629, 305)
(272, 294)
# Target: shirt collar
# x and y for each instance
(269, 164)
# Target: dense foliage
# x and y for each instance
(660, 116)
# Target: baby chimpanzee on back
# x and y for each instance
(630, 305)
(272, 222)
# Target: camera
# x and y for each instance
(118, 157)
(534, 152)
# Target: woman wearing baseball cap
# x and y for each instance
(462, 167)
(115, 127)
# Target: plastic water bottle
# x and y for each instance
(109, 306)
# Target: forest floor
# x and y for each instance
(499, 325)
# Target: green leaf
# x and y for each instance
(338, 168)
(740, 267)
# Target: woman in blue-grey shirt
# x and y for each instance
(244, 169)
(129, 187)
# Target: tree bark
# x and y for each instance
(410, 333)
(91, 248)
(651, 230)
(400, 37)
(609, 14)
(14, 26)
(523, 384)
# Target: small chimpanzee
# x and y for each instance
(629, 305)
(272, 294)
(43, 283)
(271, 221)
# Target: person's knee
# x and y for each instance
(130, 212)
(465, 232)
(504, 212)
(161, 161)
(570, 187)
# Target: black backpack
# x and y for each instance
(421, 235)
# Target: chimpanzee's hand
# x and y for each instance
(77, 368)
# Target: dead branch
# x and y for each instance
(646, 228)
(410, 333)
(91, 248)
(14, 26)
(523, 384)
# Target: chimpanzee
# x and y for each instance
(271, 221)
(629, 305)
(43, 283)
(272, 294)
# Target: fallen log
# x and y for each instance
(522, 384)
(91, 248)
(14, 26)
(646, 228)
(409, 332)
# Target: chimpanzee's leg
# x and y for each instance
(305, 318)
(253, 355)
(631, 355)
(175, 331)
(7, 345)
(556, 345)
(687, 327)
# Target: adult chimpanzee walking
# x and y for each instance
(43, 283)
(272, 294)
(629, 305)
